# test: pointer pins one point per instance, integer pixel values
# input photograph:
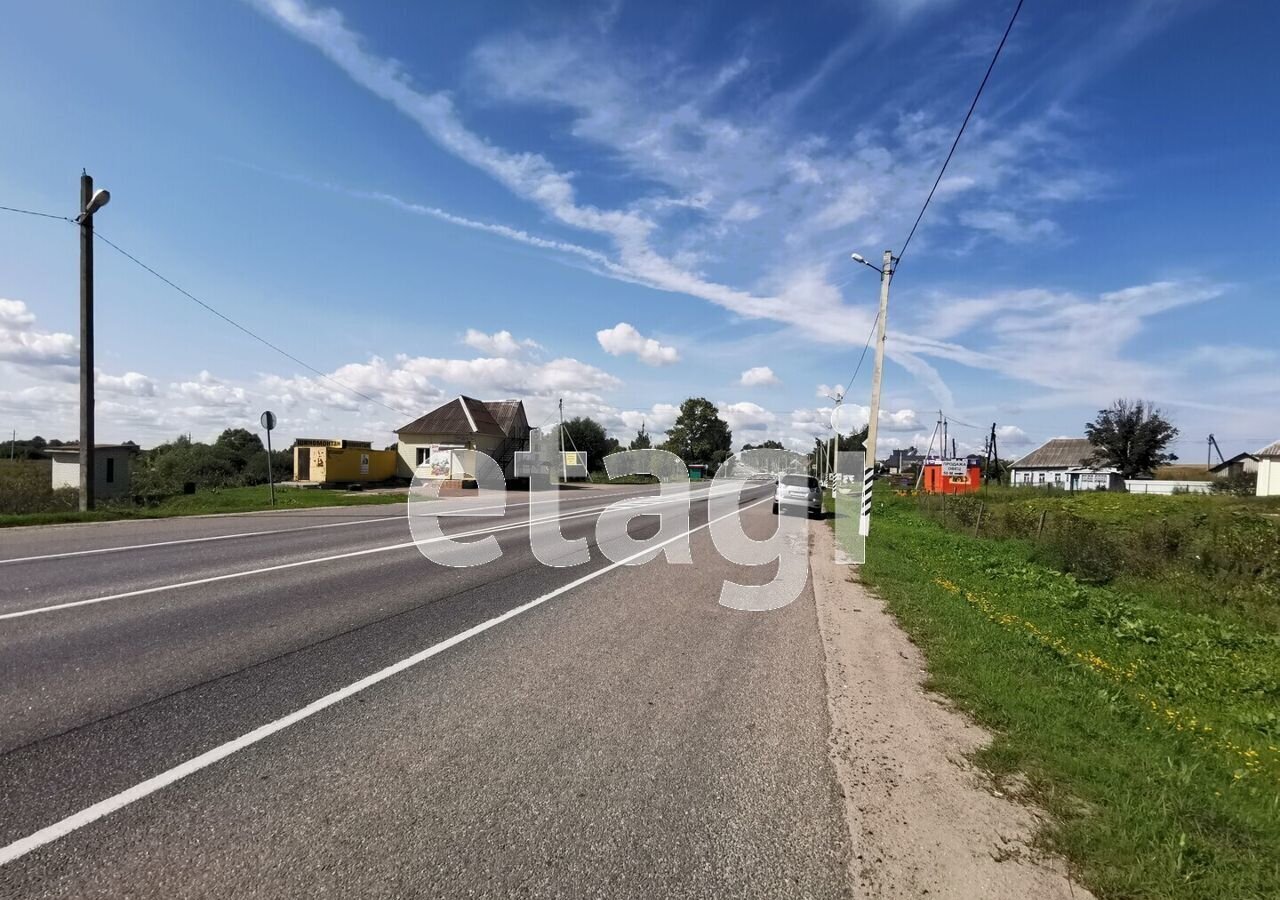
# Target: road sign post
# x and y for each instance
(268, 420)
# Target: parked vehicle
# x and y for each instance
(795, 492)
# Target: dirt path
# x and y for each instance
(922, 821)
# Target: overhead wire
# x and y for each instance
(32, 212)
(963, 125)
(221, 315)
(941, 172)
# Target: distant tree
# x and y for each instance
(699, 433)
(587, 436)
(1131, 436)
(855, 441)
(764, 445)
(641, 441)
(240, 443)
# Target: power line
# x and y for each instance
(865, 347)
(963, 125)
(32, 212)
(230, 321)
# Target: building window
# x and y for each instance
(1042, 478)
(424, 454)
(111, 469)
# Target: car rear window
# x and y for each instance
(800, 481)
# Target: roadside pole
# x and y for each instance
(90, 202)
(564, 466)
(86, 344)
(873, 426)
(268, 421)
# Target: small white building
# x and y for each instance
(1064, 463)
(111, 463)
(1269, 470)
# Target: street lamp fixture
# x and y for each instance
(99, 199)
(859, 258)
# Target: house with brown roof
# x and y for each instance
(443, 443)
(1065, 463)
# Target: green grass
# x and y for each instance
(207, 502)
(1150, 730)
(1218, 555)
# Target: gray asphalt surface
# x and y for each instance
(629, 738)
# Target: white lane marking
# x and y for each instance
(213, 537)
(397, 517)
(492, 529)
(118, 801)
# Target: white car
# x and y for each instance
(798, 492)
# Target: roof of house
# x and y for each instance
(509, 414)
(1058, 453)
(467, 415)
(1239, 457)
(1271, 450)
(75, 448)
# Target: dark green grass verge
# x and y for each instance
(207, 502)
(1149, 732)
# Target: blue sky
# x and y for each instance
(626, 204)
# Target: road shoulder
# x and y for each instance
(922, 821)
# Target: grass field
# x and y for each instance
(206, 502)
(1146, 723)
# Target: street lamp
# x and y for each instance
(873, 424)
(90, 202)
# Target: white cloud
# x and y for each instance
(22, 344)
(1233, 358)
(1009, 226)
(1011, 436)
(14, 314)
(746, 416)
(624, 339)
(500, 343)
(743, 211)
(758, 376)
(131, 383)
(207, 391)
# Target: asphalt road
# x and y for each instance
(299, 704)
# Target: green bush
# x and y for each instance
(26, 487)
(1208, 551)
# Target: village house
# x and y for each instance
(1240, 464)
(443, 443)
(1269, 470)
(1064, 463)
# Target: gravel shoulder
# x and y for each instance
(922, 820)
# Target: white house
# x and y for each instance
(110, 468)
(444, 441)
(1269, 470)
(1064, 463)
